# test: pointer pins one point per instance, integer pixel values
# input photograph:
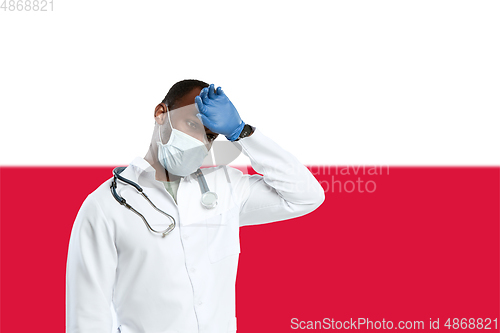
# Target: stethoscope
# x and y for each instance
(208, 198)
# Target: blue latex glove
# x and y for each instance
(218, 114)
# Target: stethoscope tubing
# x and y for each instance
(123, 202)
(201, 181)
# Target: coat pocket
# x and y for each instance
(223, 235)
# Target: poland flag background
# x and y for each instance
(393, 105)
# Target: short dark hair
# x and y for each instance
(181, 89)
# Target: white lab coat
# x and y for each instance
(185, 282)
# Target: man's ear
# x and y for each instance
(160, 113)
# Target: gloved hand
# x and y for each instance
(218, 114)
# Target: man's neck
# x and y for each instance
(160, 173)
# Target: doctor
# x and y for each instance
(183, 282)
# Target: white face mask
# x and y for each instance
(182, 154)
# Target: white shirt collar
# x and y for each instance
(143, 169)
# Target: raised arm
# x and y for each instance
(286, 188)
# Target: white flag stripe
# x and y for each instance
(344, 82)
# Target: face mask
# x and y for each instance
(182, 154)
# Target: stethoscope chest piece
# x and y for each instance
(209, 199)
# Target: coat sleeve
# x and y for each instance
(285, 189)
(90, 271)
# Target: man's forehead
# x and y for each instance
(187, 110)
